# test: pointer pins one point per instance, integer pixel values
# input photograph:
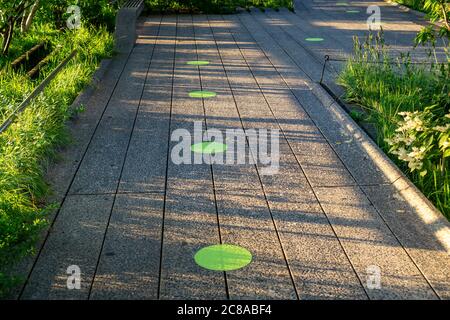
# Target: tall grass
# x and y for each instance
(409, 105)
(29, 144)
(414, 4)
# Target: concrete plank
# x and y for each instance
(312, 276)
(291, 118)
(243, 213)
(342, 141)
(75, 239)
(190, 214)
(369, 242)
(101, 167)
(145, 166)
(129, 264)
(419, 236)
(320, 266)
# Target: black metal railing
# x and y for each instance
(10, 120)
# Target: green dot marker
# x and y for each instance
(353, 11)
(223, 257)
(202, 94)
(198, 63)
(314, 39)
(209, 147)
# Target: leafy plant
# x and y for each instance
(409, 104)
(422, 141)
(436, 10)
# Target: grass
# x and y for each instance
(214, 6)
(386, 88)
(29, 144)
(413, 4)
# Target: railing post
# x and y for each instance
(327, 58)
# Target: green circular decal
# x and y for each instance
(202, 94)
(314, 39)
(223, 257)
(198, 63)
(353, 11)
(209, 147)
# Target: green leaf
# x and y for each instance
(446, 153)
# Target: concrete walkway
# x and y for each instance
(132, 220)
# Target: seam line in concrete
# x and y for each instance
(166, 179)
(401, 244)
(211, 165)
(307, 50)
(256, 167)
(119, 193)
(123, 165)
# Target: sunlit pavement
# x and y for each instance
(332, 222)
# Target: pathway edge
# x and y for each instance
(412, 195)
(25, 266)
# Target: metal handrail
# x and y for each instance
(35, 93)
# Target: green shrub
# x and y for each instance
(409, 104)
(93, 13)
